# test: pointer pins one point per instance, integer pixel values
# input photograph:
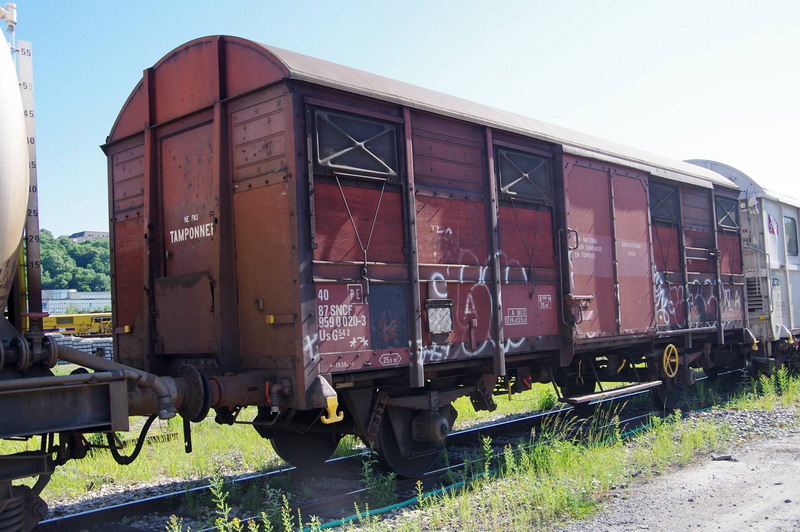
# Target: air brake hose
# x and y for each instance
(126, 460)
(166, 403)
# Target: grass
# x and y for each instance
(381, 487)
(560, 477)
(219, 450)
(768, 392)
(539, 397)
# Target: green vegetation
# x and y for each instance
(223, 451)
(567, 470)
(559, 475)
(564, 473)
(381, 488)
(83, 266)
(219, 451)
(541, 397)
(769, 391)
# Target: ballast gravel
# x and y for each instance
(751, 486)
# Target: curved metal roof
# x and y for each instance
(304, 68)
(748, 186)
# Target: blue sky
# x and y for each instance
(686, 79)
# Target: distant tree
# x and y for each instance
(83, 266)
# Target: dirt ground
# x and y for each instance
(757, 490)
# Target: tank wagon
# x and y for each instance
(13, 172)
(351, 253)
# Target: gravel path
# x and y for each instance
(753, 486)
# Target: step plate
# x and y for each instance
(616, 392)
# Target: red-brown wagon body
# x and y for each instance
(335, 230)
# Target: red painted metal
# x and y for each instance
(526, 237)
(336, 237)
(343, 319)
(611, 270)
(129, 312)
(451, 231)
(187, 80)
(668, 278)
(187, 187)
(591, 262)
(449, 155)
(236, 246)
(634, 266)
(529, 314)
(732, 296)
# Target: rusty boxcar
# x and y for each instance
(351, 253)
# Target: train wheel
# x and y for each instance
(420, 456)
(665, 397)
(307, 450)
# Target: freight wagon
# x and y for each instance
(771, 256)
(351, 253)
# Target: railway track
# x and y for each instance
(463, 443)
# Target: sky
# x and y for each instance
(686, 79)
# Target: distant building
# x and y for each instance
(70, 301)
(85, 236)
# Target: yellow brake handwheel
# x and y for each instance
(670, 361)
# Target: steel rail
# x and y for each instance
(170, 501)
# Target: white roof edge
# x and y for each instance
(305, 68)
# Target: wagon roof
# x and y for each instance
(292, 65)
(749, 187)
(318, 71)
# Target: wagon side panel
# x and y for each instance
(360, 317)
(450, 174)
(264, 229)
(127, 170)
(632, 235)
(729, 261)
(592, 255)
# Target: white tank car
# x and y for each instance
(13, 171)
